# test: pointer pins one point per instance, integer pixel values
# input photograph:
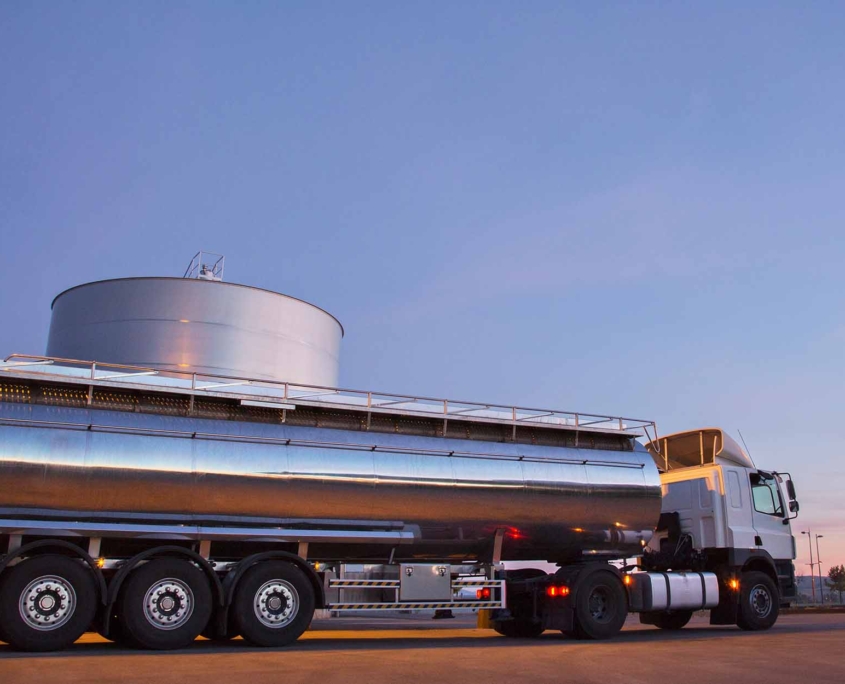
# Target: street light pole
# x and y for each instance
(812, 564)
(819, 563)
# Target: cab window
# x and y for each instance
(766, 496)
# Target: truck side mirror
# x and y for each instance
(793, 506)
(790, 489)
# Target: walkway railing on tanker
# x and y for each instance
(287, 395)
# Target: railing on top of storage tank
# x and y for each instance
(286, 395)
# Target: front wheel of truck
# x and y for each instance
(758, 602)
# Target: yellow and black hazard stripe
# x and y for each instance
(363, 584)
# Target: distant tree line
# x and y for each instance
(836, 579)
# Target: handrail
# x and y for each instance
(310, 443)
(369, 401)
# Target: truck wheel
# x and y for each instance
(518, 629)
(46, 603)
(675, 620)
(273, 604)
(165, 604)
(601, 606)
(758, 602)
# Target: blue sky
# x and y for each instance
(629, 208)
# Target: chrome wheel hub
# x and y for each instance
(276, 603)
(168, 604)
(47, 603)
(760, 600)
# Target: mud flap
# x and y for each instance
(558, 615)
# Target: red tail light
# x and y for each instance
(482, 593)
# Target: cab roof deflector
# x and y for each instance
(697, 448)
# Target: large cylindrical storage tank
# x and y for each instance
(196, 325)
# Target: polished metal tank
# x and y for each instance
(197, 325)
(450, 496)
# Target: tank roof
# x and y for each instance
(279, 395)
(195, 280)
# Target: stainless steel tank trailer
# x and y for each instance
(182, 462)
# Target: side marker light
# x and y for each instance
(556, 591)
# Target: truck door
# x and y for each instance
(769, 515)
(738, 509)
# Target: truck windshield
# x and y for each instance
(766, 495)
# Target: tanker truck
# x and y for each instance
(154, 506)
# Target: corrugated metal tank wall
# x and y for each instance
(197, 325)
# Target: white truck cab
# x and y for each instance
(722, 514)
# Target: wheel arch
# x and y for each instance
(159, 552)
(575, 575)
(231, 580)
(44, 546)
(761, 564)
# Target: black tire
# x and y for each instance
(60, 595)
(164, 604)
(673, 621)
(759, 602)
(273, 604)
(519, 629)
(601, 606)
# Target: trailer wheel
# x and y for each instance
(519, 629)
(165, 604)
(46, 603)
(601, 606)
(675, 620)
(758, 602)
(273, 604)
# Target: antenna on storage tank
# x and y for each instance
(206, 266)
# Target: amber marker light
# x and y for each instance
(626, 580)
(555, 591)
(101, 562)
(734, 584)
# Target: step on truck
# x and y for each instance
(155, 506)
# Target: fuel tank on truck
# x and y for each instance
(133, 445)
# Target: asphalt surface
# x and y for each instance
(799, 649)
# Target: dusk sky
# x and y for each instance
(632, 208)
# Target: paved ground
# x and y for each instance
(800, 649)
